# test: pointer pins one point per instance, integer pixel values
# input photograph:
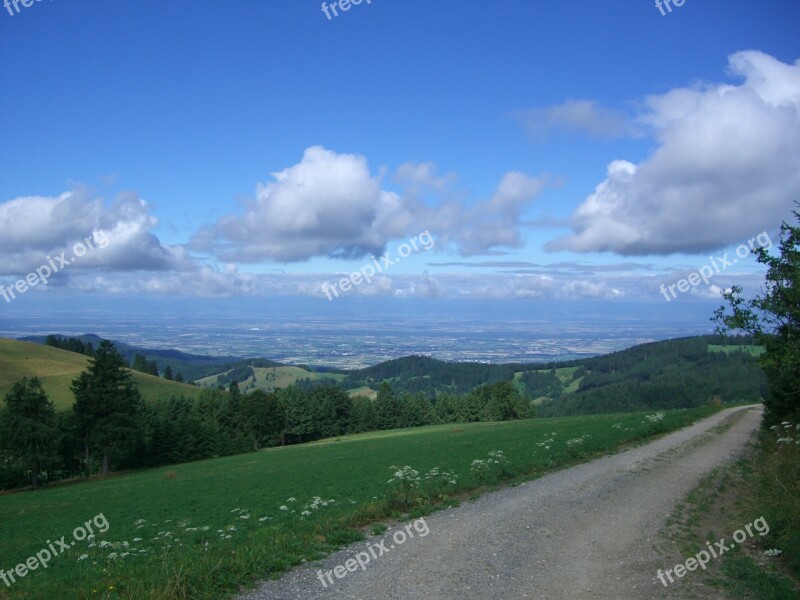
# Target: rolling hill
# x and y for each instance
(666, 374)
(192, 366)
(57, 368)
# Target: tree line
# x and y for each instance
(111, 427)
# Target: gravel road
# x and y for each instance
(590, 531)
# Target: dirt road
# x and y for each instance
(590, 531)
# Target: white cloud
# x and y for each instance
(330, 205)
(326, 205)
(35, 227)
(727, 167)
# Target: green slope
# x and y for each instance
(271, 378)
(198, 530)
(57, 368)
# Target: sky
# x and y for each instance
(575, 151)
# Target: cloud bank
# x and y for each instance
(727, 167)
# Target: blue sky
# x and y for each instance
(553, 150)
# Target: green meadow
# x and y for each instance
(203, 529)
(271, 378)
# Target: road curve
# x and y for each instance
(590, 531)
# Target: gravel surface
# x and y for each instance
(590, 531)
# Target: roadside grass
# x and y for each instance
(202, 530)
(765, 482)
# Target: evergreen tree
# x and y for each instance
(107, 405)
(387, 408)
(471, 406)
(448, 408)
(299, 418)
(416, 410)
(262, 417)
(364, 416)
(27, 427)
(331, 408)
(503, 402)
(168, 373)
(140, 364)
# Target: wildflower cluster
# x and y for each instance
(546, 442)
(785, 433)
(577, 440)
(437, 477)
(316, 504)
(484, 469)
(405, 477)
(655, 417)
(408, 487)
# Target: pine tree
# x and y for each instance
(387, 408)
(296, 407)
(27, 427)
(107, 405)
(262, 417)
(140, 364)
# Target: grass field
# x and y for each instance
(57, 368)
(270, 378)
(566, 375)
(199, 530)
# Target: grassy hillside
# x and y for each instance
(270, 378)
(57, 368)
(191, 366)
(198, 530)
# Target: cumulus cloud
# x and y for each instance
(35, 227)
(330, 205)
(574, 116)
(326, 205)
(727, 167)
